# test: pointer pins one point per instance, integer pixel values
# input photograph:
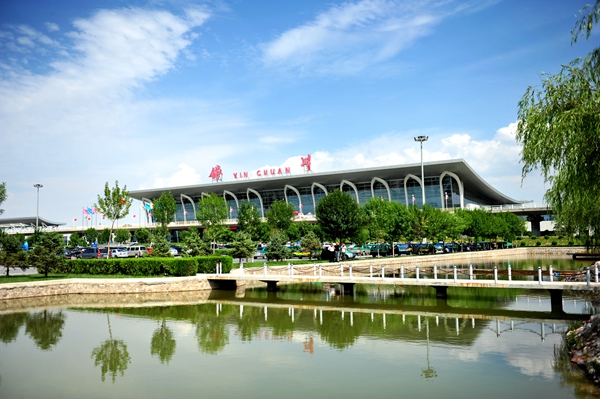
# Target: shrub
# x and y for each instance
(538, 243)
(181, 266)
(523, 244)
(571, 242)
(519, 238)
(208, 264)
(533, 237)
(554, 243)
(561, 237)
(546, 237)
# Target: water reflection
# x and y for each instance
(302, 334)
(111, 355)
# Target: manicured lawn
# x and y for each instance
(28, 278)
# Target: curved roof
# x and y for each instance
(28, 221)
(471, 180)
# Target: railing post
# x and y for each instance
(350, 269)
(320, 271)
(540, 274)
(470, 271)
(341, 269)
(454, 272)
(371, 270)
(596, 271)
(265, 268)
(417, 271)
(551, 274)
(509, 273)
(314, 269)
(241, 267)
(435, 271)
(587, 275)
(382, 271)
(495, 274)
(289, 269)
(402, 271)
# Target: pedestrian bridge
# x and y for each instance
(440, 278)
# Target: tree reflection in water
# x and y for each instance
(45, 328)
(429, 372)
(10, 324)
(112, 356)
(163, 344)
(212, 334)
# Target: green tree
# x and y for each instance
(248, 217)
(122, 236)
(2, 195)
(193, 244)
(76, 241)
(48, 254)
(276, 249)
(311, 243)
(515, 225)
(379, 218)
(212, 212)
(160, 246)
(164, 209)
(243, 246)
(262, 232)
(559, 127)
(104, 236)
(163, 344)
(339, 216)
(114, 205)
(280, 215)
(11, 253)
(91, 235)
(142, 235)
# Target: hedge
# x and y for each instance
(150, 266)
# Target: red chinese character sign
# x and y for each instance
(306, 163)
(216, 174)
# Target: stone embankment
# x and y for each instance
(584, 344)
(104, 286)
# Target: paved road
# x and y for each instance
(16, 271)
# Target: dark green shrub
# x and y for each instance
(538, 243)
(208, 264)
(571, 242)
(519, 238)
(223, 252)
(554, 243)
(523, 244)
(181, 266)
(546, 237)
(561, 237)
(533, 237)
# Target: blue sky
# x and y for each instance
(156, 93)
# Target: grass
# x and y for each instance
(33, 278)
(546, 241)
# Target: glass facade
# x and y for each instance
(446, 196)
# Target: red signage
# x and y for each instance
(216, 173)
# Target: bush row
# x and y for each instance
(149, 266)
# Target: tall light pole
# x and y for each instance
(37, 215)
(421, 139)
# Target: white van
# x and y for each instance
(137, 251)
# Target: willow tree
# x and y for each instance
(114, 205)
(559, 127)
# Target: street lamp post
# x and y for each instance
(421, 139)
(446, 197)
(37, 215)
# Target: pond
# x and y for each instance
(302, 341)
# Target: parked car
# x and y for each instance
(118, 253)
(260, 252)
(404, 249)
(381, 250)
(298, 252)
(173, 251)
(137, 251)
(89, 253)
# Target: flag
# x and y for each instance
(230, 209)
(148, 206)
(90, 211)
(85, 211)
(94, 210)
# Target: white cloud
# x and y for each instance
(185, 176)
(347, 38)
(52, 27)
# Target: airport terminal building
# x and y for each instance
(448, 184)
